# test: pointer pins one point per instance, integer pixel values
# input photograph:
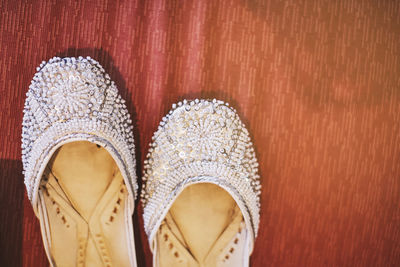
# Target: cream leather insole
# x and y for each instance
(84, 196)
(202, 228)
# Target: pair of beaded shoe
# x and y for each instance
(200, 185)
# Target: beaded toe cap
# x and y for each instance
(200, 141)
(72, 99)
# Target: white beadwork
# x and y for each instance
(74, 99)
(200, 141)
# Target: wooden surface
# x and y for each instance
(316, 82)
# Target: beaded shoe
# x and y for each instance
(79, 166)
(201, 188)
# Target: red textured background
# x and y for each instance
(316, 82)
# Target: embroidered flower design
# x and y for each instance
(74, 93)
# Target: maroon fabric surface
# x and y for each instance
(316, 82)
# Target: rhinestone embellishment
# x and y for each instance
(200, 141)
(74, 99)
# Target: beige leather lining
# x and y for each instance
(84, 200)
(204, 227)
